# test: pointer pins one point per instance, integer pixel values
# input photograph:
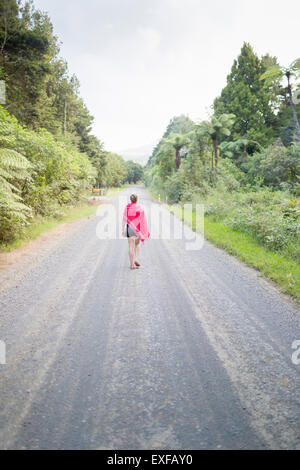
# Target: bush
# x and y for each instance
(269, 217)
(38, 175)
(278, 166)
(230, 178)
(175, 186)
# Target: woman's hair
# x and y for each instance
(133, 197)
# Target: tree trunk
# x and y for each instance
(295, 117)
(5, 36)
(215, 144)
(178, 159)
(65, 118)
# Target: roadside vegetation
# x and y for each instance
(243, 164)
(275, 264)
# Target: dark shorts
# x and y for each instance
(130, 232)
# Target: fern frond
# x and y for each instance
(5, 186)
(295, 66)
(4, 173)
(11, 159)
(272, 72)
(7, 141)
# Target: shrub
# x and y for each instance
(278, 166)
(38, 175)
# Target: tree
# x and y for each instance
(245, 96)
(24, 57)
(178, 125)
(111, 170)
(217, 128)
(237, 150)
(276, 165)
(277, 73)
(14, 214)
(164, 161)
(38, 175)
(178, 141)
(135, 171)
(40, 90)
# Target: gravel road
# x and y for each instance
(191, 351)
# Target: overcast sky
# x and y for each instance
(141, 62)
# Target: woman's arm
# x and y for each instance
(123, 228)
(124, 223)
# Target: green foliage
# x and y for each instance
(14, 167)
(251, 202)
(13, 213)
(111, 170)
(216, 129)
(177, 141)
(38, 175)
(270, 226)
(276, 73)
(276, 266)
(164, 159)
(247, 98)
(238, 151)
(48, 156)
(218, 126)
(115, 171)
(135, 172)
(24, 57)
(40, 90)
(278, 166)
(175, 186)
(271, 218)
(153, 180)
(178, 125)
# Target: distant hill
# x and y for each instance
(138, 154)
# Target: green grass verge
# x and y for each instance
(115, 191)
(278, 267)
(156, 195)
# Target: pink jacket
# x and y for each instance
(135, 217)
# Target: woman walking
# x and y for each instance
(135, 228)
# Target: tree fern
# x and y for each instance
(13, 213)
(11, 159)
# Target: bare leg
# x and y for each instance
(137, 251)
(131, 252)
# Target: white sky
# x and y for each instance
(141, 62)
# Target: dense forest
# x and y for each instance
(49, 157)
(244, 162)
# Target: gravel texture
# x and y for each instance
(191, 351)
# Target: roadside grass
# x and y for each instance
(115, 191)
(275, 266)
(158, 195)
(40, 225)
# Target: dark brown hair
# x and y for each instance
(133, 197)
